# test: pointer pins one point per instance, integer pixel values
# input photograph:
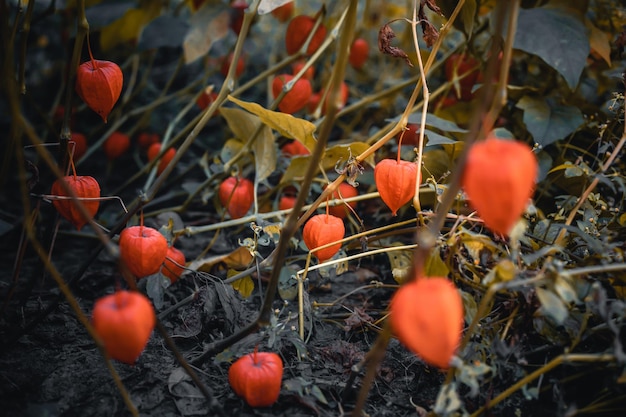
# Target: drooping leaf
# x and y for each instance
(244, 125)
(288, 283)
(285, 124)
(556, 36)
(208, 25)
(436, 139)
(165, 30)
(549, 121)
(265, 154)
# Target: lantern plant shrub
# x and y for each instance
(499, 179)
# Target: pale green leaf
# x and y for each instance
(265, 154)
(552, 306)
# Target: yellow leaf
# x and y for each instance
(240, 258)
(435, 266)
(127, 28)
(244, 125)
(296, 169)
(230, 149)
(504, 271)
(401, 262)
(244, 286)
(285, 124)
(342, 153)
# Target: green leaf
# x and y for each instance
(432, 121)
(285, 124)
(436, 138)
(548, 121)
(557, 37)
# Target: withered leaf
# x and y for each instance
(431, 5)
(430, 33)
(385, 35)
(357, 319)
(428, 29)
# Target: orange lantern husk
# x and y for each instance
(499, 179)
(427, 318)
(321, 230)
(395, 180)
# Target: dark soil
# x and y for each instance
(49, 366)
